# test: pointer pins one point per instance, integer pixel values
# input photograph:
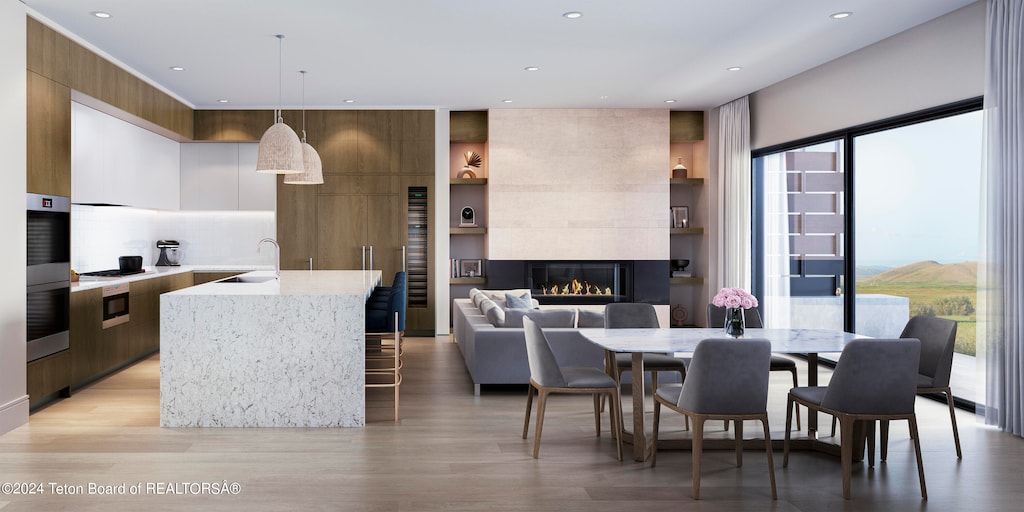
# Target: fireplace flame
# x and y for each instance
(575, 287)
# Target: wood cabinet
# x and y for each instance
(48, 375)
(48, 130)
(86, 342)
(222, 176)
(199, 278)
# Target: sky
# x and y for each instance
(918, 191)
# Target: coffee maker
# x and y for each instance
(170, 253)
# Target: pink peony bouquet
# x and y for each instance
(734, 298)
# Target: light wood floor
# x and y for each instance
(453, 451)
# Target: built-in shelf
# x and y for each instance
(686, 231)
(467, 280)
(686, 181)
(686, 280)
(467, 231)
(467, 181)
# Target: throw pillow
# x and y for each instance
(589, 318)
(495, 315)
(523, 301)
(553, 318)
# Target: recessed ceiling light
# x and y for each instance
(670, 101)
(841, 15)
(177, 68)
(532, 68)
(222, 101)
(734, 68)
(349, 101)
(101, 14)
(572, 15)
(506, 101)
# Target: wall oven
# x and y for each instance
(48, 280)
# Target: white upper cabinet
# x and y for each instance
(222, 176)
(116, 162)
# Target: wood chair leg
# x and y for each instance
(654, 382)
(833, 425)
(846, 452)
(883, 438)
(768, 450)
(789, 424)
(739, 442)
(697, 445)
(796, 383)
(529, 405)
(917, 450)
(870, 427)
(542, 398)
(952, 419)
(597, 413)
(654, 434)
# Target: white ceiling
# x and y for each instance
(471, 54)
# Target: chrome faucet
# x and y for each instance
(277, 255)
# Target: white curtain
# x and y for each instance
(734, 193)
(776, 242)
(1001, 278)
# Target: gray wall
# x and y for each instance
(935, 63)
(13, 400)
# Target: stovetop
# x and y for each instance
(113, 273)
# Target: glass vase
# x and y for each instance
(735, 323)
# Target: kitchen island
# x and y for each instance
(266, 352)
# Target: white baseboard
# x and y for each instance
(13, 414)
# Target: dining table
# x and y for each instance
(806, 342)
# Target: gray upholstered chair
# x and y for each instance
(875, 379)
(938, 336)
(716, 318)
(727, 380)
(626, 315)
(547, 377)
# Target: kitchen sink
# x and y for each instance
(247, 279)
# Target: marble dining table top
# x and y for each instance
(791, 341)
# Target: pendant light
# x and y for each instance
(313, 173)
(280, 150)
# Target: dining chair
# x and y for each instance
(629, 315)
(547, 377)
(873, 380)
(728, 380)
(716, 318)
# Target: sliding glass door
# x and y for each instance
(861, 229)
(801, 236)
(917, 208)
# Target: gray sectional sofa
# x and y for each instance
(497, 355)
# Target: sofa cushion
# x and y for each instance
(495, 315)
(514, 317)
(523, 301)
(553, 318)
(587, 318)
(499, 295)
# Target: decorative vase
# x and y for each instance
(735, 323)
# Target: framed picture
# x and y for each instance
(471, 268)
(680, 216)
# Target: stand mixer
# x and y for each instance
(170, 253)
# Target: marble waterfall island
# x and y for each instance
(265, 352)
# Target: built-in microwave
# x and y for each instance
(48, 279)
(115, 305)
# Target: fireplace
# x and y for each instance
(581, 282)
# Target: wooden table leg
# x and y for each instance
(640, 450)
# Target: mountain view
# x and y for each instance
(947, 290)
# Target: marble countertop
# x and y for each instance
(294, 282)
(152, 272)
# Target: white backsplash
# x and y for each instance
(99, 234)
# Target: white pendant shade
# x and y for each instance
(313, 174)
(280, 151)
